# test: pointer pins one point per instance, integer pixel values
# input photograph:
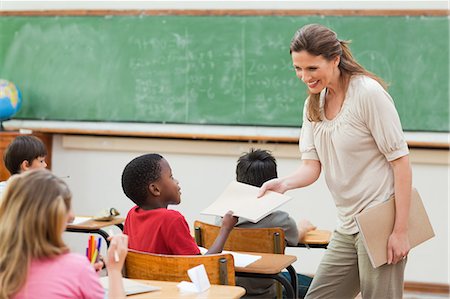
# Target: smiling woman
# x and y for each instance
(352, 130)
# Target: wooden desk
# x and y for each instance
(95, 227)
(270, 266)
(316, 239)
(169, 290)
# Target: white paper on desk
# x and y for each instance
(241, 199)
(79, 220)
(199, 278)
(203, 250)
(242, 259)
(131, 287)
(186, 286)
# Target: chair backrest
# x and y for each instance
(264, 240)
(142, 265)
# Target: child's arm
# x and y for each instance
(117, 253)
(228, 223)
(304, 226)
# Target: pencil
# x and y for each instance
(94, 256)
(99, 244)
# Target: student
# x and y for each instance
(255, 168)
(352, 131)
(148, 181)
(24, 153)
(34, 261)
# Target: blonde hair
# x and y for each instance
(319, 40)
(33, 215)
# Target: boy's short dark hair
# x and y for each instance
(138, 174)
(23, 148)
(256, 167)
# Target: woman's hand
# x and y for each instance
(276, 185)
(398, 243)
(398, 247)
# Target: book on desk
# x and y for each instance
(131, 287)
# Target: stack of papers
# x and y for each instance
(243, 201)
(242, 259)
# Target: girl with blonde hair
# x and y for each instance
(34, 261)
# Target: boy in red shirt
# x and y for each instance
(147, 180)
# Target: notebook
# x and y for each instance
(131, 287)
(376, 224)
(241, 199)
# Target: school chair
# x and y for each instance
(142, 265)
(264, 240)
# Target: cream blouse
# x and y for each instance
(355, 148)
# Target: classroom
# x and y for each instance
(201, 82)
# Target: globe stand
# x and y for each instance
(1, 126)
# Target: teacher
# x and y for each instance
(352, 131)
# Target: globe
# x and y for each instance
(10, 99)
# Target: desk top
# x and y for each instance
(317, 236)
(169, 290)
(269, 263)
(94, 224)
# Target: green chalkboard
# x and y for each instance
(211, 69)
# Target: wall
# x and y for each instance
(233, 4)
(204, 168)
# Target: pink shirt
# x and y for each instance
(66, 276)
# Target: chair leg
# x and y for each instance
(279, 290)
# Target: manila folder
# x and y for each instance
(376, 224)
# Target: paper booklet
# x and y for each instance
(130, 286)
(241, 199)
(376, 225)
